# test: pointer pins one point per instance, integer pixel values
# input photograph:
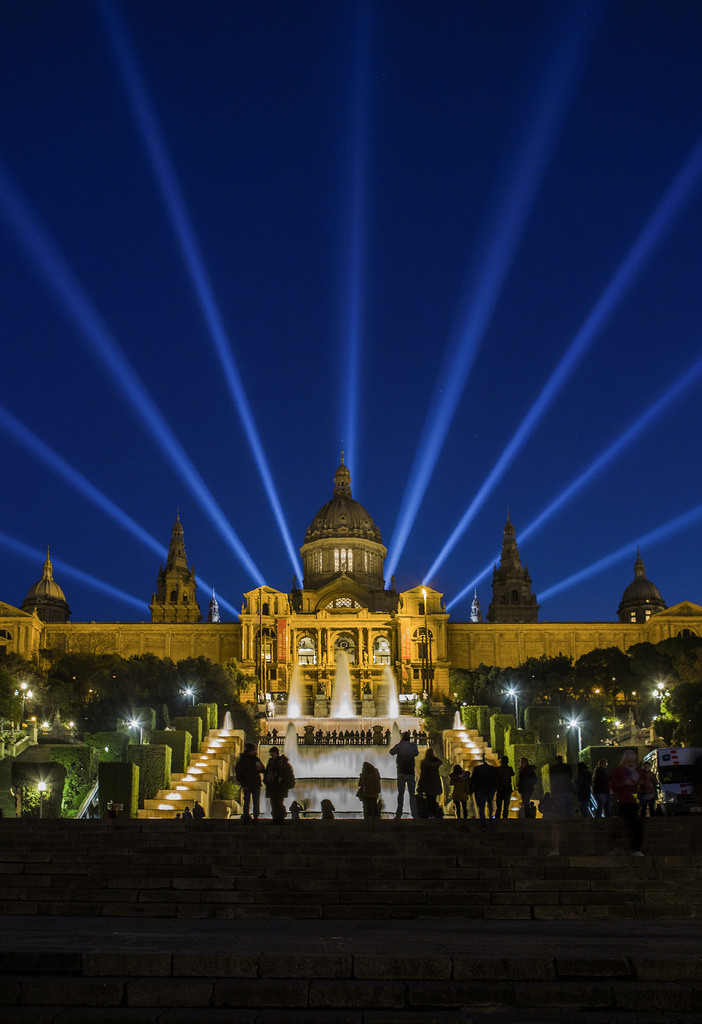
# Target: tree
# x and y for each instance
(684, 709)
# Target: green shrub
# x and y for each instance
(544, 722)
(469, 716)
(81, 764)
(210, 722)
(111, 746)
(154, 762)
(498, 726)
(119, 784)
(227, 790)
(193, 725)
(24, 778)
(180, 743)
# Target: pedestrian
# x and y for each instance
(602, 789)
(187, 814)
(328, 809)
(561, 782)
(406, 752)
(526, 784)
(198, 811)
(369, 790)
(504, 787)
(296, 810)
(625, 783)
(647, 790)
(248, 771)
(111, 810)
(279, 779)
(583, 789)
(430, 785)
(547, 807)
(484, 782)
(460, 789)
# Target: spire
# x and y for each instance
(176, 552)
(639, 567)
(213, 614)
(476, 614)
(48, 567)
(342, 480)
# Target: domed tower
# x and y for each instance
(641, 599)
(343, 540)
(175, 600)
(46, 599)
(512, 599)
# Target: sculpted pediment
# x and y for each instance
(7, 611)
(686, 609)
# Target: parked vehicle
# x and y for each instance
(678, 775)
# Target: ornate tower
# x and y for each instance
(175, 600)
(46, 599)
(476, 614)
(213, 613)
(641, 599)
(512, 599)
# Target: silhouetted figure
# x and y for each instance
(296, 810)
(526, 784)
(328, 809)
(369, 790)
(602, 789)
(430, 785)
(406, 752)
(484, 781)
(647, 790)
(583, 789)
(561, 780)
(504, 787)
(187, 814)
(625, 783)
(460, 790)
(279, 779)
(248, 772)
(198, 811)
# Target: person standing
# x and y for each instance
(248, 771)
(647, 790)
(484, 781)
(279, 779)
(625, 783)
(198, 811)
(430, 784)
(460, 789)
(602, 789)
(369, 790)
(583, 789)
(504, 787)
(526, 784)
(561, 779)
(406, 753)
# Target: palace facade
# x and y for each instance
(342, 605)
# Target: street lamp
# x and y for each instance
(189, 692)
(426, 660)
(514, 693)
(574, 723)
(26, 695)
(41, 786)
(134, 724)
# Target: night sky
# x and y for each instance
(459, 240)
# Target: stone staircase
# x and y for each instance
(365, 922)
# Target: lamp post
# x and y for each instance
(26, 695)
(514, 693)
(426, 660)
(137, 725)
(41, 786)
(189, 692)
(575, 724)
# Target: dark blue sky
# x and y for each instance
(407, 215)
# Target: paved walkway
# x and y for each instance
(589, 939)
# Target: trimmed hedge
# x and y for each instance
(115, 742)
(469, 716)
(201, 711)
(499, 724)
(119, 784)
(180, 743)
(193, 725)
(154, 762)
(544, 722)
(212, 715)
(24, 778)
(81, 764)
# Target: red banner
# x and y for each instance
(405, 643)
(282, 639)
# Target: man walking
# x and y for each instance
(485, 780)
(405, 751)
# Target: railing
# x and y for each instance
(342, 738)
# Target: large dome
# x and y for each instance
(46, 597)
(343, 516)
(641, 599)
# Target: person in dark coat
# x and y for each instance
(279, 779)
(561, 780)
(504, 788)
(248, 771)
(405, 751)
(602, 789)
(484, 780)
(369, 790)
(526, 784)
(460, 789)
(583, 790)
(430, 785)
(198, 811)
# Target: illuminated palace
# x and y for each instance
(343, 604)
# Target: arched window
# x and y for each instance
(264, 610)
(345, 643)
(266, 644)
(686, 632)
(381, 651)
(306, 651)
(174, 596)
(349, 560)
(420, 638)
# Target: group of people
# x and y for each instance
(593, 792)
(277, 776)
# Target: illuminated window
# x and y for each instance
(336, 559)
(381, 651)
(349, 560)
(347, 644)
(306, 651)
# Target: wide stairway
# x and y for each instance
(431, 921)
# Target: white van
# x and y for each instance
(677, 770)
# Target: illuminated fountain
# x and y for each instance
(342, 703)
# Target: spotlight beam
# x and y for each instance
(623, 280)
(164, 171)
(356, 234)
(676, 525)
(93, 329)
(53, 461)
(35, 555)
(492, 261)
(627, 437)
